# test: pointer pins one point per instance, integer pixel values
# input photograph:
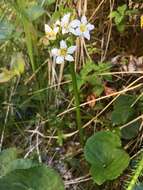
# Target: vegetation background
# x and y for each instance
(84, 118)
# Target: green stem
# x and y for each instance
(77, 102)
(136, 175)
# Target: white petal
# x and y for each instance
(71, 49)
(64, 31)
(63, 44)
(73, 31)
(69, 58)
(55, 52)
(86, 35)
(78, 32)
(90, 26)
(56, 30)
(47, 28)
(74, 23)
(57, 23)
(84, 19)
(60, 60)
(65, 18)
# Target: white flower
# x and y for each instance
(65, 21)
(81, 28)
(51, 33)
(63, 53)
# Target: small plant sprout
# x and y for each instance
(51, 33)
(81, 27)
(65, 22)
(63, 53)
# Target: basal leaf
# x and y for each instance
(36, 178)
(119, 160)
(123, 109)
(34, 12)
(6, 30)
(130, 131)
(20, 164)
(102, 142)
(6, 157)
(108, 160)
(25, 174)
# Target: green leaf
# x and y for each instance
(18, 64)
(87, 68)
(122, 9)
(97, 83)
(34, 12)
(119, 161)
(121, 27)
(22, 164)
(6, 75)
(113, 14)
(118, 19)
(25, 174)
(6, 30)
(49, 2)
(123, 109)
(99, 142)
(130, 131)
(6, 157)
(139, 187)
(108, 160)
(36, 178)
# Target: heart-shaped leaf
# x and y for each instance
(6, 157)
(37, 178)
(25, 174)
(108, 160)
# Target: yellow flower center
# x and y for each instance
(83, 28)
(63, 52)
(51, 35)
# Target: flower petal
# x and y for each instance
(63, 44)
(73, 31)
(47, 28)
(75, 23)
(90, 26)
(84, 19)
(69, 58)
(78, 32)
(57, 23)
(55, 52)
(56, 30)
(65, 31)
(71, 49)
(65, 19)
(60, 60)
(86, 35)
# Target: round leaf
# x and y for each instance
(108, 160)
(37, 178)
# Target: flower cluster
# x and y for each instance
(77, 27)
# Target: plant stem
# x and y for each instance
(77, 102)
(136, 175)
